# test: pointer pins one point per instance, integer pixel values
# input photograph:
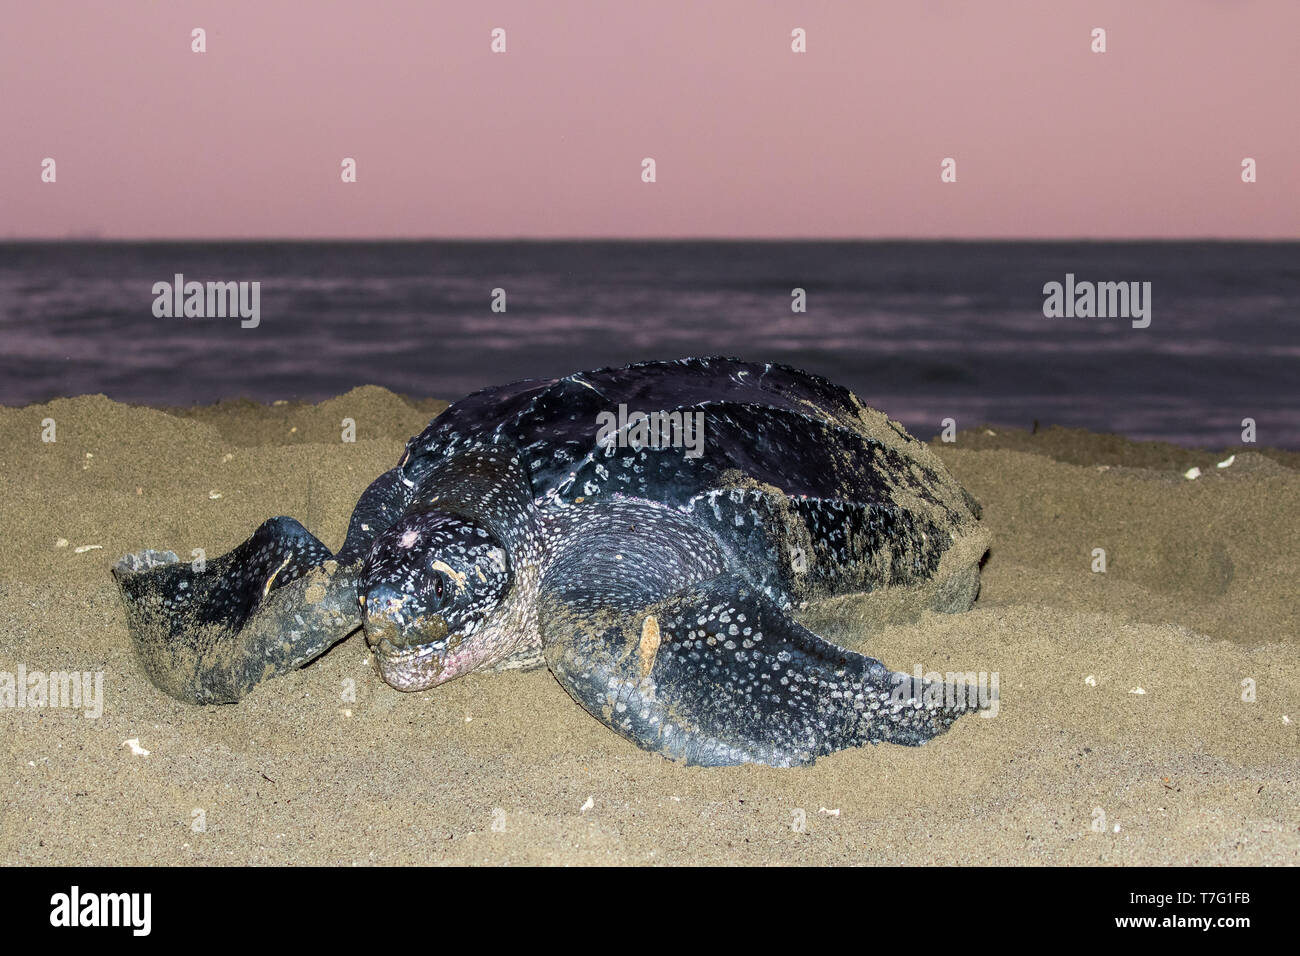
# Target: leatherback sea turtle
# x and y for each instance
(650, 532)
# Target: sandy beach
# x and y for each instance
(1147, 714)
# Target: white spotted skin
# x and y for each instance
(507, 534)
(793, 498)
(509, 630)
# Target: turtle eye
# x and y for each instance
(438, 584)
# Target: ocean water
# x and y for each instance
(923, 330)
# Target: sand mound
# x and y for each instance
(1147, 714)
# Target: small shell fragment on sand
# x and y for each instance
(830, 813)
(134, 744)
(1137, 690)
(1226, 462)
(1191, 474)
(587, 806)
(61, 543)
(83, 548)
(1286, 719)
(1090, 681)
(214, 495)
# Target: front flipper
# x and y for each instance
(718, 674)
(208, 635)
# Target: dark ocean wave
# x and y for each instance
(925, 331)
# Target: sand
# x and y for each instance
(1123, 734)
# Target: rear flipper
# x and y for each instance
(209, 635)
(718, 674)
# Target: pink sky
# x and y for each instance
(1051, 140)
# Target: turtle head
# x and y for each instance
(430, 584)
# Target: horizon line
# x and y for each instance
(55, 240)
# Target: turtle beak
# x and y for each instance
(391, 617)
(410, 648)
